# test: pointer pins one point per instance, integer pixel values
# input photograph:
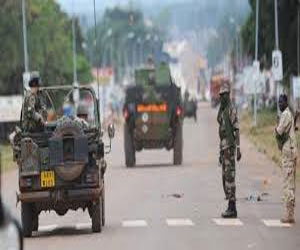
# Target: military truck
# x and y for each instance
(153, 114)
(63, 166)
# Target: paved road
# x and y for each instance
(159, 206)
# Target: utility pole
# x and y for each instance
(256, 61)
(25, 37)
(298, 38)
(277, 48)
(75, 80)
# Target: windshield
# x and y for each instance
(70, 102)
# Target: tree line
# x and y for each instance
(287, 15)
(124, 40)
(49, 45)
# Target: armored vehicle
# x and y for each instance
(153, 114)
(62, 167)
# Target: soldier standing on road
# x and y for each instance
(286, 139)
(229, 147)
(34, 109)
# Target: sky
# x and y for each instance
(84, 6)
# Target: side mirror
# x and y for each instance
(10, 230)
(111, 134)
(111, 131)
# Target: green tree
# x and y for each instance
(224, 41)
(120, 33)
(287, 14)
(49, 45)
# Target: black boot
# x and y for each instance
(231, 210)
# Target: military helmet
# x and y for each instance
(82, 110)
(225, 88)
(34, 80)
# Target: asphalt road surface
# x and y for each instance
(158, 206)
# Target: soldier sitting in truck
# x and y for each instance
(34, 110)
(82, 116)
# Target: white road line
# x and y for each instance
(228, 222)
(179, 222)
(275, 223)
(82, 226)
(134, 223)
(47, 228)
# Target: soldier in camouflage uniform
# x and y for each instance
(229, 148)
(34, 109)
(285, 135)
(82, 116)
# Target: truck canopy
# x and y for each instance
(161, 76)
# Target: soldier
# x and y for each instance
(285, 136)
(82, 116)
(229, 147)
(150, 62)
(34, 109)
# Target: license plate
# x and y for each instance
(47, 179)
(156, 108)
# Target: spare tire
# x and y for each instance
(68, 149)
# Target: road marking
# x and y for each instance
(275, 223)
(47, 228)
(179, 222)
(228, 222)
(82, 226)
(134, 223)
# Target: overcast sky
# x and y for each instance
(83, 6)
(86, 5)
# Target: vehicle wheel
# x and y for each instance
(103, 206)
(129, 147)
(27, 219)
(178, 145)
(97, 216)
(35, 223)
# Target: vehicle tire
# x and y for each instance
(97, 216)
(27, 219)
(103, 206)
(35, 223)
(129, 147)
(178, 145)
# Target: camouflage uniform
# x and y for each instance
(228, 149)
(34, 112)
(83, 124)
(82, 110)
(289, 159)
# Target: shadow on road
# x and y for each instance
(165, 165)
(63, 231)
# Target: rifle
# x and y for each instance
(297, 115)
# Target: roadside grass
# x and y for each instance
(262, 136)
(6, 157)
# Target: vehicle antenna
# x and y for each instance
(95, 27)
